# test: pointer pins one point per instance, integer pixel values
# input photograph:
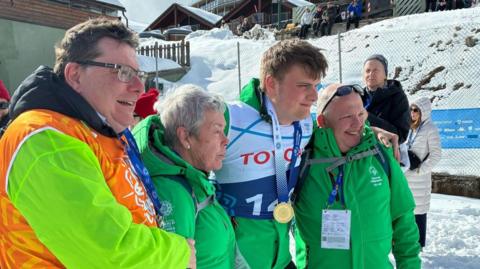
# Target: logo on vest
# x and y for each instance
(376, 179)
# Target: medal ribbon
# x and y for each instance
(142, 172)
(280, 167)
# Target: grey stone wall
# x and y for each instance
(468, 186)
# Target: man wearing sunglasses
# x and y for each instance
(353, 206)
(74, 192)
(4, 103)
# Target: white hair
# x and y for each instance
(185, 107)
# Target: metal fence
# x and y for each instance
(440, 63)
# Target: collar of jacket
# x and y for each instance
(390, 88)
(253, 96)
(149, 135)
(45, 90)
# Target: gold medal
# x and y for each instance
(283, 212)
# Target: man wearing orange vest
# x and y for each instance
(73, 190)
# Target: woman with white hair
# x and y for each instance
(424, 152)
(179, 148)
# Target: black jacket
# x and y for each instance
(45, 90)
(3, 124)
(388, 109)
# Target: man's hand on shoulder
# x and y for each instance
(388, 139)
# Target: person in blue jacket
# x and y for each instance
(354, 13)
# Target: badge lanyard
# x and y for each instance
(338, 186)
(280, 169)
(336, 223)
(411, 137)
(142, 172)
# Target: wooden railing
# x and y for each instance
(177, 52)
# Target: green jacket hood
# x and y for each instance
(163, 161)
(253, 96)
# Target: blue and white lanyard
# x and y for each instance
(411, 137)
(142, 172)
(280, 168)
(336, 188)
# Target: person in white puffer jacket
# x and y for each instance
(305, 22)
(423, 140)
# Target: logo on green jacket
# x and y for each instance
(376, 179)
(166, 208)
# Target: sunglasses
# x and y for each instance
(125, 73)
(4, 105)
(343, 91)
(414, 109)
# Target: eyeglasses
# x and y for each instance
(414, 109)
(343, 91)
(4, 105)
(125, 72)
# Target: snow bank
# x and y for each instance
(215, 33)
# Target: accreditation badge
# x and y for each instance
(336, 229)
(283, 212)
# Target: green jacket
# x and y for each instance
(211, 228)
(263, 243)
(381, 210)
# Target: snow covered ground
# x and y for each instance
(453, 233)
(453, 222)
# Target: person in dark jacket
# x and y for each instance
(4, 103)
(386, 103)
(317, 20)
(430, 5)
(244, 27)
(328, 19)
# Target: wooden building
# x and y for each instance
(29, 30)
(179, 15)
(61, 14)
